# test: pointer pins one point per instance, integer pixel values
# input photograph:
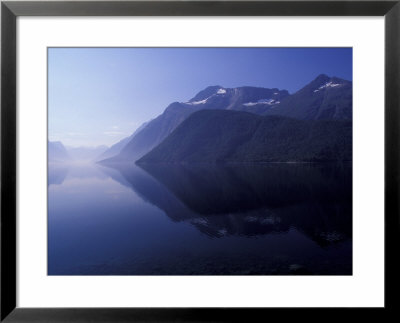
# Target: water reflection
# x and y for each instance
(250, 200)
(56, 174)
(275, 219)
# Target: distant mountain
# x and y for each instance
(325, 98)
(57, 152)
(252, 99)
(86, 153)
(213, 136)
(116, 148)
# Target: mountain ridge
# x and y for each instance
(321, 99)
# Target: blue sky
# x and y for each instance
(101, 95)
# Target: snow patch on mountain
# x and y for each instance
(221, 91)
(197, 102)
(262, 101)
(327, 85)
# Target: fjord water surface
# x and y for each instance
(244, 219)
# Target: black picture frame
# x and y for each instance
(10, 10)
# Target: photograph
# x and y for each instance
(199, 161)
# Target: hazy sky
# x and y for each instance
(101, 95)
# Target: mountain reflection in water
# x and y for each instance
(249, 219)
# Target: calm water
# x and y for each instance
(275, 219)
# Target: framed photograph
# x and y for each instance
(199, 160)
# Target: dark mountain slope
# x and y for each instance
(213, 136)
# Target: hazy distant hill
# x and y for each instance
(213, 136)
(57, 152)
(116, 148)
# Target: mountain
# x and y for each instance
(212, 136)
(252, 99)
(116, 148)
(325, 98)
(57, 152)
(86, 153)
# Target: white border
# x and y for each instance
(364, 288)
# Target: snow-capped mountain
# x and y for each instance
(325, 98)
(241, 98)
